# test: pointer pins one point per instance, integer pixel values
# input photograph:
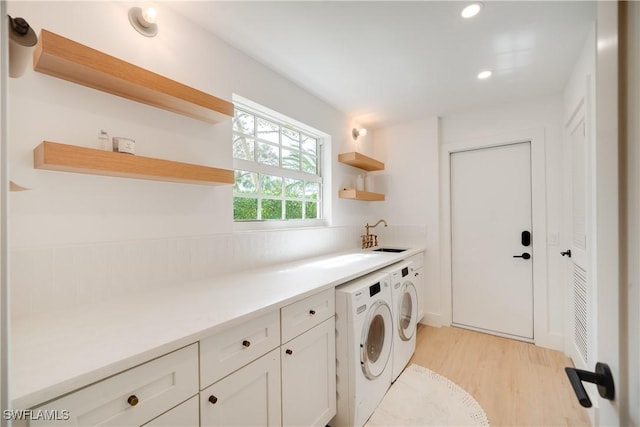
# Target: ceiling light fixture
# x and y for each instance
(144, 20)
(471, 10)
(483, 75)
(358, 132)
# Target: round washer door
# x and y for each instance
(407, 311)
(375, 345)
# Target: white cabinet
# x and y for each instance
(132, 397)
(275, 369)
(309, 377)
(292, 385)
(309, 361)
(184, 415)
(243, 365)
(419, 281)
(248, 397)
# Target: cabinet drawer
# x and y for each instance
(229, 350)
(132, 397)
(417, 260)
(186, 414)
(307, 313)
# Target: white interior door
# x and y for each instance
(580, 282)
(596, 174)
(633, 213)
(492, 266)
(607, 256)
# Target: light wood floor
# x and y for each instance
(517, 384)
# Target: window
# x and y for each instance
(277, 168)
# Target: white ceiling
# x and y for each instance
(381, 62)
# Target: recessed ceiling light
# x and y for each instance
(471, 10)
(482, 75)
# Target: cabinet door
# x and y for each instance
(183, 415)
(419, 281)
(309, 377)
(248, 397)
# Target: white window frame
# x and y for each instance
(323, 151)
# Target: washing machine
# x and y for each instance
(364, 342)
(404, 311)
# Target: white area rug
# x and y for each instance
(421, 397)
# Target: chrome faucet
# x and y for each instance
(371, 240)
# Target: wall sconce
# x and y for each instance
(358, 132)
(144, 20)
(22, 38)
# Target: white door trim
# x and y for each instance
(607, 248)
(4, 210)
(541, 334)
(633, 203)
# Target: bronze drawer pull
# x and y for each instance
(246, 343)
(133, 400)
(289, 352)
(312, 312)
(213, 399)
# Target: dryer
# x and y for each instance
(404, 309)
(364, 342)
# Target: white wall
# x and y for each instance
(80, 238)
(541, 117)
(413, 183)
(410, 184)
(414, 186)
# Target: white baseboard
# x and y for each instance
(431, 319)
(550, 340)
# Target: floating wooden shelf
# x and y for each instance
(16, 187)
(72, 61)
(360, 161)
(352, 193)
(70, 158)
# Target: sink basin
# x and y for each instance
(394, 250)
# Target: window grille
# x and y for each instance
(277, 169)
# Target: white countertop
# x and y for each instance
(57, 353)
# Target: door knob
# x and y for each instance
(566, 253)
(524, 255)
(602, 377)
